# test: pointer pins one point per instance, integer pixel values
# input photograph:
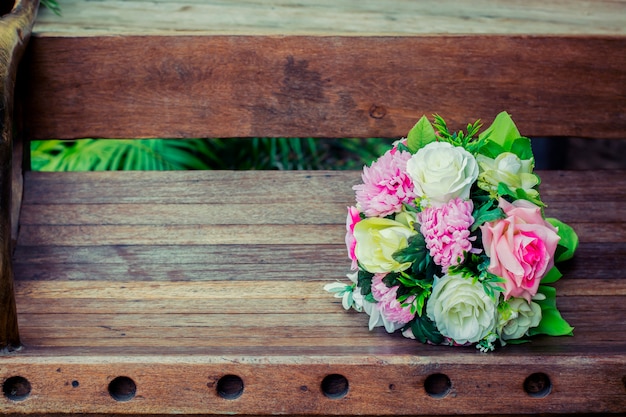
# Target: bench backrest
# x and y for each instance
(311, 86)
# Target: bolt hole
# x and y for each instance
(16, 388)
(437, 385)
(230, 387)
(122, 388)
(538, 385)
(335, 386)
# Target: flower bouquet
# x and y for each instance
(449, 242)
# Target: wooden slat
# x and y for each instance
(398, 387)
(189, 187)
(206, 187)
(232, 86)
(323, 17)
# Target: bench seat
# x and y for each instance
(175, 279)
(155, 293)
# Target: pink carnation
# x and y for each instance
(446, 231)
(386, 185)
(354, 216)
(388, 305)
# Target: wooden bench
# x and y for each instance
(202, 292)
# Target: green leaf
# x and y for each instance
(552, 323)
(420, 135)
(502, 131)
(424, 330)
(519, 194)
(364, 281)
(552, 276)
(491, 149)
(569, 239)
(484, 213)
(522, 148)
(415, 252)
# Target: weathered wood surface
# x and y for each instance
(203, 286)
(14, 34)
(238, 86)
(328, 17)
(175, 280)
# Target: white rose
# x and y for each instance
(377, 239)
(509, 169)
(461, 309)
(441, 172)
(518, 318)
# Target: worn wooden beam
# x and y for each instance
(336, 18)
(228, 86)
(15, 29)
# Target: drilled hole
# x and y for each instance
(75, 384)
(538, 385)
(437, 385)
(230, 387)
(122, 388)
(16, 388)
(335, 386)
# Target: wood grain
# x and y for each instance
(327, 17)
(304, 86)
(174, 315)
(15, 29)
(175, 280)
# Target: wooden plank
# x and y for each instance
(205, 187)
(189, 187)
(196, 235)
(323, 17)
(299, 212)
(207, 255)
(266, 234)
(294, 86)
(295, 388)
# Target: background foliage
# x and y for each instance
(181, 154)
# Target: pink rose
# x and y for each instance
(354, 216)
(521, 247)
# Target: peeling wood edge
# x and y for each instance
(15, 30)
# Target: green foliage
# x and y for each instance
(488, 211)
(120, 154)
(569, 240)
(53, 5)
(503, 136)
(519, 194)
(463, 139)
(237, 154)
(552, 276)
(476, 268)
(551, 323)
(414, 287)
(420, 135)
(502, 131)
(424, 330)
(364, 281)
